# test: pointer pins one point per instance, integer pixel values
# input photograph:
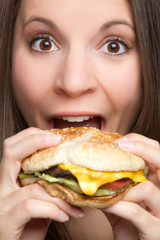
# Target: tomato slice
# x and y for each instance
(117, 184)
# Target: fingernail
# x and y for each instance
(64, 216)
(123, 139)
(52, 137)
(125, 145)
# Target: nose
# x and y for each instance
(76, 75)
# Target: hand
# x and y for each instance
(26, 212)
(137, 216)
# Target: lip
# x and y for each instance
(77, 114)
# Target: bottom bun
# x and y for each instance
(60, 191)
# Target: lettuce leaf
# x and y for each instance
(73, 184)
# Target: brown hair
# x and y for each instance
(146, 15)
(11, 120)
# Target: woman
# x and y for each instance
(101, 59)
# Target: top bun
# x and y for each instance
(85, 146)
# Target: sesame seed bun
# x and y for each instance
(87, 147)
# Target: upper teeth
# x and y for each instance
(76, 119)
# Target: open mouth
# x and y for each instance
(77, 121)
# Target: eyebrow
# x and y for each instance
(113, 23)
(40, 19)
(105, 26)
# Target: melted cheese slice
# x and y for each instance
(90, 180)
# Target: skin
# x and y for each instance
(79, 68)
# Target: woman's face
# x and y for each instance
(76, 63)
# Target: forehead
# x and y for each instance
(83, 12)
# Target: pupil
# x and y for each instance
(113, 47)
(45, 45)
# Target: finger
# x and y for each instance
(24, 212)
(28, 210)
(35, 191)
(143, 220)
(147, 193)
(150, 153)
(14, 154)
(134, 137)
(147, 148)
(20, 135)
(152, 175)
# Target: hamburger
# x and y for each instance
(86, 169)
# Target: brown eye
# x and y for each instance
(113, 47)
(43, 45)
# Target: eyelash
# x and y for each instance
(41, 37)
(119, 40)
(116, 40)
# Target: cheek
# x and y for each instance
(126, 91)
(123, 83)
(31, 79)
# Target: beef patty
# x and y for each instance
(58, 172)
